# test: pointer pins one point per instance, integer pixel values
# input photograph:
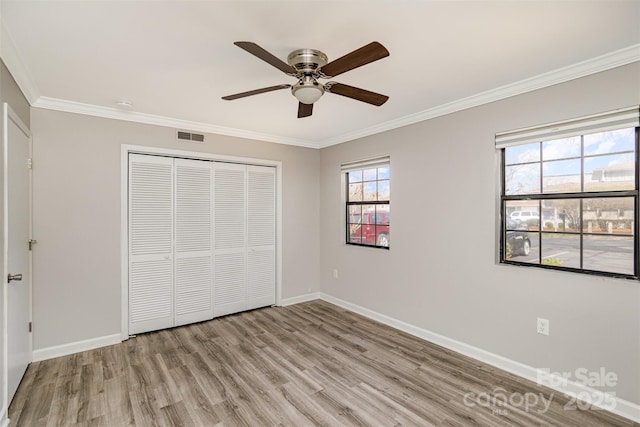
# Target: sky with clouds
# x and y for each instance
(562, 157)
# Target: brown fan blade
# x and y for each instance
(267, 57)
(356, 93)
(366, 54)
(254, 92)
(304, 110)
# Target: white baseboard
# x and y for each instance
(300, 298)
(75, 347)
(4, 421)
(618, 406)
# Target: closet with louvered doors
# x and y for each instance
(201, 240)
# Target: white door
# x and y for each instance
(261, 236)
(193, 241)
(151, 289)
(230, 238)
(17, 232)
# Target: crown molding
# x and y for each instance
(605, 62)
(16, 67)
(151, 119)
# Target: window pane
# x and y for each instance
(355, 223)
(522, 153)
(383, 172)
(355, 192)
(383, 190)
(561, 148)
(355, 176)
(610, 173)
(613, 254)
(561, 176)
(561, 215)
(368, 214)
(523, 213)
(354, 214)
(612, 215)
(562, 250)
(369, 175)
(369, 191)
(521, 245)
(522, 179)
(383, 236)
(365, 234)
(355, 233)
(382, 214)
(610, 142)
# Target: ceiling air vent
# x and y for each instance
(191, 137)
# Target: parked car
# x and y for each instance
(517, 238)
(372, 228)
(526, 217)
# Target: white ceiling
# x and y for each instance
(175, 60)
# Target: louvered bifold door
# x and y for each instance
(230, 230)
(193, 241)
(150, 243)
(261, 237)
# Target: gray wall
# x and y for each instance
(441, 272)
(77, 285)
(11, 94)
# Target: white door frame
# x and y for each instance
(124, 209)
(10, 115)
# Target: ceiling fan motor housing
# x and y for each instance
(307, 61)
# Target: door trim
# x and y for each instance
(9, 115)
(125, 150)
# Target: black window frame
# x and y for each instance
(579, 195)
(376, 203)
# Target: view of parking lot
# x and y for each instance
(600, 253)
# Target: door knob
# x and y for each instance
(16, 277)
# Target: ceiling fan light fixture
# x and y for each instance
(307, 90)
(308, 95)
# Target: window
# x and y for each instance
(570, 195)
(367, 202)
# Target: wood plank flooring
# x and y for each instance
(303, 365)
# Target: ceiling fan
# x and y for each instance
(309, 65)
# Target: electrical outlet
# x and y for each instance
(543, 326)
(335, 273)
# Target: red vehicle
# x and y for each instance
(370, 228)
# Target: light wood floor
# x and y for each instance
(307, 364)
